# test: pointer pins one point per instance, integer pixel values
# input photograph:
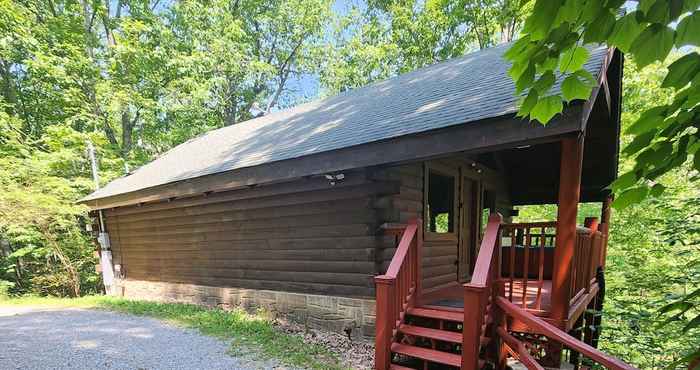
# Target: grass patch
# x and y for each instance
(251, 335)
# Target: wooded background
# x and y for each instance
(139, 77)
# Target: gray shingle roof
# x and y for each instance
(458, 91)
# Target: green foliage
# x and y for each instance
(5, 287)
(653, 263)
(666, 135)
(389, 37)
(135, 78)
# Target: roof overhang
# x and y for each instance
(486, 135)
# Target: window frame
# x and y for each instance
(448, 172)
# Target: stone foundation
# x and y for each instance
(332, 313)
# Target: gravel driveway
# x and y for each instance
(42, 338)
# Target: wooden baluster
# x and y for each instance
(512, 263)
(526, 263)
(540, 275)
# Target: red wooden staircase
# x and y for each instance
(410, 335)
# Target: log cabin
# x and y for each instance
(386, 212)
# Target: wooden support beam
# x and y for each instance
(605, 210)
(569, 192)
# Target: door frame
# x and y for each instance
(469, 205)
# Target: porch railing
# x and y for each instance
(396, 291)
(522, 260)
(589, 250)
(527, 259)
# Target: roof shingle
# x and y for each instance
(458, 91)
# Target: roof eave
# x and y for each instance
(485, 135)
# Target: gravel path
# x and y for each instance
(41, 338)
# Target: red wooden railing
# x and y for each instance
(589, 250)
(396, 291)
(506, 308)
(478, 294)
(489, 297)
(528, 254)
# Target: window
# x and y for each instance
(441, 203)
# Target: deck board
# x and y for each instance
(451, 297)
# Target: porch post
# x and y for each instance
(605, 210)
(569, 192)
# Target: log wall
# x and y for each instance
(305, 236)
(440, 252)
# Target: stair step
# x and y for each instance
(436, 314)
(427, 354)
(443, 335)
(399, 367)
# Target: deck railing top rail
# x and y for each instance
(407, 237)
(483, 266)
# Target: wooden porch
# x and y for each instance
(529, 285)
(531, 297)
(432, 327)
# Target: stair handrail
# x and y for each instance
(396, 291)
(552, 332)
(478, 294)
(483, 268)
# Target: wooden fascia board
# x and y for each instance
(602, 83)
(475, 137)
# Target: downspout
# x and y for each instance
(103, 238)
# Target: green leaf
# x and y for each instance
(517, 49)
(570, 11)
(572, 88)
(528, 103)
(541, 19)
(525, 79)
(545, 82)
(694, 323)
(690, 5)
(682, 71)
(676, 306)
(653, 44)
(601, 27)
(573, 59)
(624, 32)
(546, 108)
(645, 5)
(624, 181)
(659, 12)
(648, 120)
(688, 30)
(656, 190)
(591, 10)
(675, 8)
(586, 77)
(517, 69)
(630, 196)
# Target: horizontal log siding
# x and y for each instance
(304, 236)
(439, 254)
